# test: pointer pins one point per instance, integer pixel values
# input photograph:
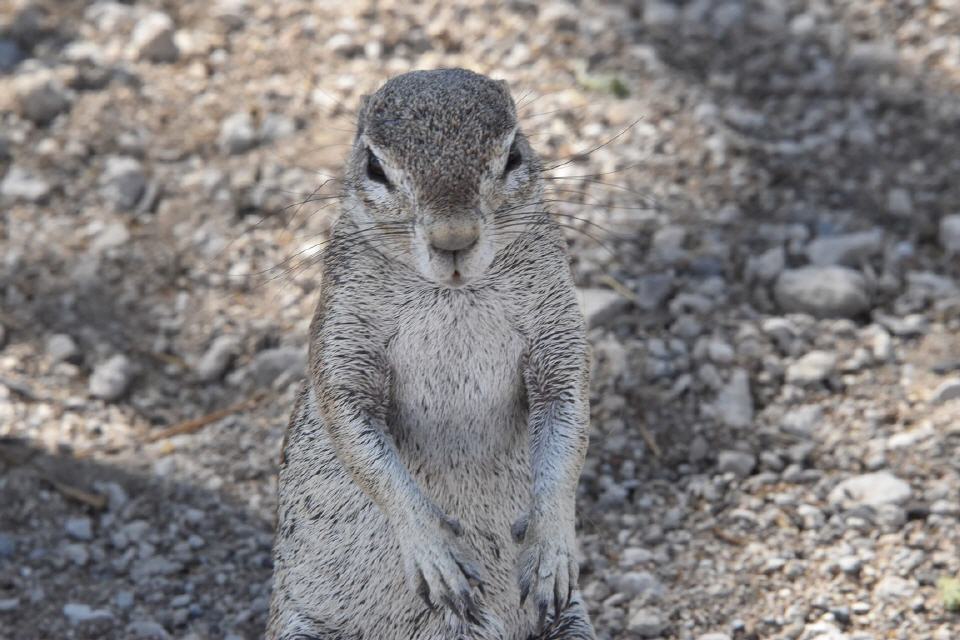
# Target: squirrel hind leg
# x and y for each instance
(574, 624)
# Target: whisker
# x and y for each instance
(259, 222)
(519, 223)
(602, 173)
(570, 216)
(586, 154)
(607, 184)
(296, 269)
(599, 205)
(559, 110)
(355, 235)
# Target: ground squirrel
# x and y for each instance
(430, 466)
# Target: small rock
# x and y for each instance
(646, 622)
(774, 565)
(113, 235)
(640, 583)
(8, 546)
(907, 439)
(599, 306)
(77, 554)
(899, 202)
(117, 497)
(10, 55)
(873, 55)
(560, 16)
(652, 290)
(270, 364)
(914, 324)
(739, 463)
(802, 421)
(22, 184)
(950, 233)
(812, 517)
(720, 352)
(152, 38)
(767, 266)
(123, 600)
(84, 51)
(237, 133)
(78, 613)
(41, 97)
(823, 292)
(771, 461)
(9, 604)
(813, 367)
(850, 565)
(929, 284)
(147, 629)
(714, 636)
(343, 44)
(734, 404)
(782, 331)
(111, 378)
(156, 566)
(847, 249)
(632, 556)
(181, 601)
(217, 358)
(892, 517)
(881, 345)
(62, 348)
(231, 13)
(870, 489)
(123, 182)
(667, 242)
(945, 508)
(946, 391)
(660, 13)
(818, 631)
(80, 528)
(894, 589)
(276, 126)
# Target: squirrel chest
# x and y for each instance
(456, 376)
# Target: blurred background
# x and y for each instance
(765, 226)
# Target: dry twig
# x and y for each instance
(195, 424)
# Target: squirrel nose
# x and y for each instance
(449, 237)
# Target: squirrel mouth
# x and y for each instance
(451, 269)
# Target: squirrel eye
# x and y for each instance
(513, 159)
(375, 169)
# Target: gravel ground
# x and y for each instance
(772, 282)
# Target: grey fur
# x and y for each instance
(431, 461)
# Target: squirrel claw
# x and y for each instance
(547, 569)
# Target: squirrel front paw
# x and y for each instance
(547, 566)
(438, 566)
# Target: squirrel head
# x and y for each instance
(437, 160)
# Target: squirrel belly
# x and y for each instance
(458, 417)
